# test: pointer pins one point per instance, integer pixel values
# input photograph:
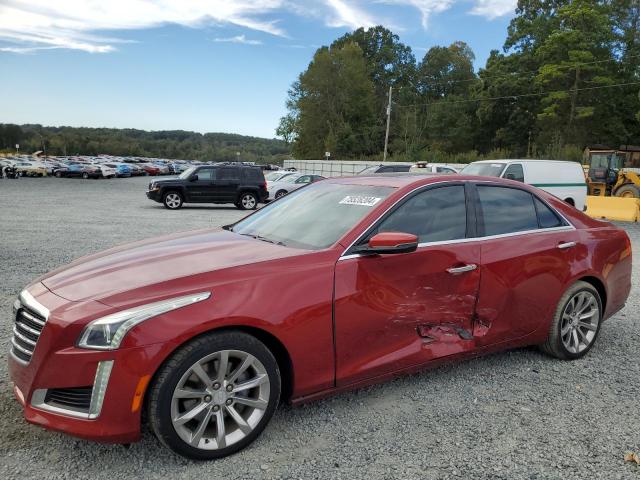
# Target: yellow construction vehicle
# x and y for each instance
(613, 188)
(606, 175)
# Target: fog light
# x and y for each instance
(100, 387)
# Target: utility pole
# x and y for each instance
(386, 136)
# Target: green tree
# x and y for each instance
(334, 101)
(576, 56)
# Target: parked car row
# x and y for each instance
(94, 167)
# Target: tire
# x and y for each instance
(570, 201)
(247, 201)
(280, 193)
(571, 337)
(628, 190)
(177, 374)
(58, 174)
(85, 175)
(172, 200)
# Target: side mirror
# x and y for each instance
(386, 243)
(193, 178)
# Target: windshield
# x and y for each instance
(313, 217)
(368, 170)
(289, 178)
(187, 173)
(277, 176)
(273, 176)
(484, 169)
(603, 160)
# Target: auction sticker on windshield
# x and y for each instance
(360, 200)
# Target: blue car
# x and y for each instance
(122, 169)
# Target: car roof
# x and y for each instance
(412, 180)
(509, 160)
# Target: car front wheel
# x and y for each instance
(576, 323)
(248, 201)
(215, 395)
(172, 200)
(280, 193)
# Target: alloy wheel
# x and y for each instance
(220, 399)
(172, 200)
(248, 201)
(579, 323)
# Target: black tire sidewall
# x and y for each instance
(161, 393)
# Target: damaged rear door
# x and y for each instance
(400, 310)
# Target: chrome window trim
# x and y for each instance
(567, 227)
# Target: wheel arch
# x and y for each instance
(596, 283)
(274, 344)
(173, 188)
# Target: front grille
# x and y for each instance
(77, 399)
(26, 331)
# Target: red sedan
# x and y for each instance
(150, 169)
(340, 284)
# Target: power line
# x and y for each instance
(478, 78)
(535, 94)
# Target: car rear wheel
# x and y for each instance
(172, 200)
(248, 201)
(576, 323)
(215, 395)
(85, 175)
(58, 174)
(280, 193)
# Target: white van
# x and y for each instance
(561, 178)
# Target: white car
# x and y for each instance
(562, 178)
(107, 171)
(288, 184)
(277, 175)
(421, 167)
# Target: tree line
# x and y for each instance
(567, 76)
(175, 144)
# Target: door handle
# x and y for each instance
(465, 268)
(565, 245)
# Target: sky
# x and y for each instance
(201, 65)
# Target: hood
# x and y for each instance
(152, 262)
(166, 180)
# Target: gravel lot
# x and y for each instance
(512, 415)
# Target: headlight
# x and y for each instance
(106, 333)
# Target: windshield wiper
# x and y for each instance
(264, 239)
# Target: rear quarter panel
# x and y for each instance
(609, 253)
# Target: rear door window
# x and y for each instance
(228, 173)
(506, 210)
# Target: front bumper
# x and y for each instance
(116, 422)
(154, 195)
(104, 389)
